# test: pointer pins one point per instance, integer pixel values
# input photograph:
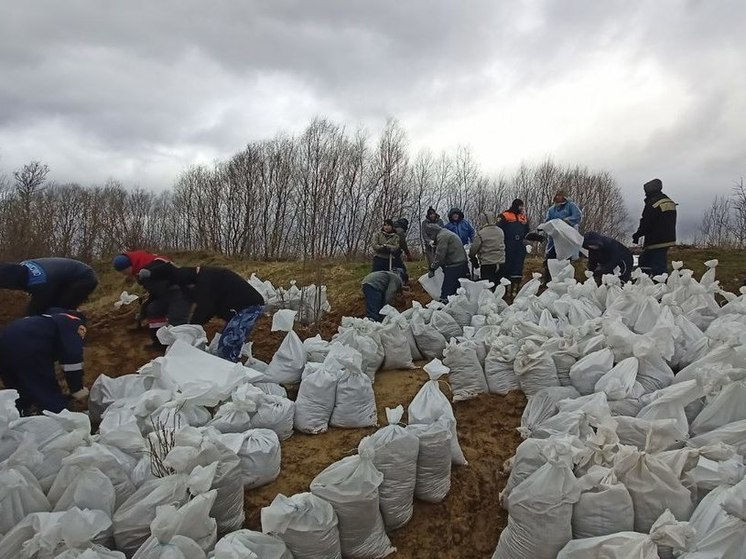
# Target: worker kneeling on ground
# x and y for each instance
(217, 292)
(379, 289)
(29, 349)
(51, 282)
(606, 255)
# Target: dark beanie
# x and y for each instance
(388, 222)
(517, 203)
(653, 186)
(121, 262)
(13, 276)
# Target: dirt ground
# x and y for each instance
(467, 524)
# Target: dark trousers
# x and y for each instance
(382, 264)
(374, 302)
(490, 272)
(65, 296)
(170, 307)
(33, 376)
(654, 262)
(451, 275)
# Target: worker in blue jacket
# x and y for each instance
(457, 224)
(29, 349)
(567, 211)
(51, 282)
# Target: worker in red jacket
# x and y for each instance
(166, 303)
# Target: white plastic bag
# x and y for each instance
(430, 404)
(466, 375)
(20, 495)
(283, 320)
(193, 334)
(307, 524)
(288, 362)
(351, 486)
(106, 390)
(396, 451)
(568, 242)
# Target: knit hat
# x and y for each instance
(517, 203)
(653, 186)
(431, 210)
(13, 276)
(388, 222)
(403, 223)
(121, 262)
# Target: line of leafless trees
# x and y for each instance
(724, 222)
(315, 195)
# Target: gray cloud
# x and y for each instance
(138, 90)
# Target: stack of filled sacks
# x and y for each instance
(639, 449)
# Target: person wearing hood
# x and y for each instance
(29, 349)
(379, 289)
(216, 292)
(432, 216)
(605, 255)
(51, 282)
(514, 224)
(457, 224)
(401, 226)
(165, 304)
(386, 247)
(658, 227)
(450, 256)
(487, 251)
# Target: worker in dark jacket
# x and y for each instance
(401, 227)
(52, 282)
(379, 289)
(165, 303)
(658, 227)
(457, 224)
(514, 224)
(450, 256)
(29, 349)
(432, 216)
(216, 292)
(605, 255)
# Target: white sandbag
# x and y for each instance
(283, 320)
(568, 242)
(184, 366)
(176, 413)
(276, 413)
(173, 532)
(654, 372)
(132, 520)
(430, 404)
(92, 552)
(619, 382)
(314, 404)
(192, 334)
(106, 390)
(396, 451)
(396, 347)
(20, 495)
(728, 406)
(355, 402)
(653, 486)
(498, 366)
(565, 354)
(540, 509)
(588, 370)
(241, 544)
(666, 531)
(534, 368)
(260, 454)
(460, 308)
(529, 457)
(670, 403)
(430, 342)
(466, 376)
(272, 388)
(351, 486)
(434, 285)
(433, 480)
(605, 506)
(306, 523)
(362, 335)
(194, 451)
(316, 349)
(662, 434)
(90, 489)
(445, 324)
(727, 538)
(235, 416)
(543, 405)
(288, 362)
(733, 434)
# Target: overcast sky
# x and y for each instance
(138, 90)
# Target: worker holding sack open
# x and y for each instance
(166, 303)
(450, 255)
(51, 282)
(216, 292)
(29, 349)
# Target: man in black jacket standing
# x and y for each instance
(658, 227)
(217, 292)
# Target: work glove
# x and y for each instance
(475, 263)
(635, 238)
(431, 273)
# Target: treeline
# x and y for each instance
(319, 194)
(724, 222)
